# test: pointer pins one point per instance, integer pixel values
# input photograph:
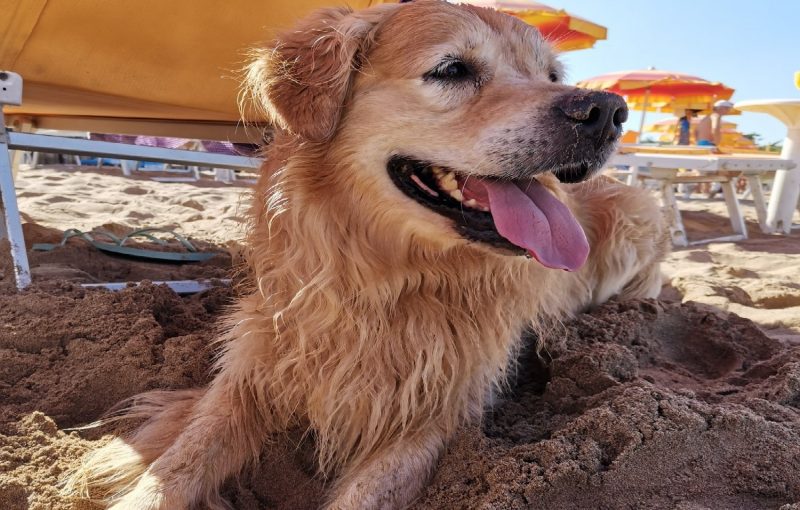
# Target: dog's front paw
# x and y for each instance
(170, 493)
(150, 493)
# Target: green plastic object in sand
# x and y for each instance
(117, 245)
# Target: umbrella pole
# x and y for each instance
(644, 113)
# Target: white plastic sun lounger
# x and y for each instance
(11, 227)
(722, 169)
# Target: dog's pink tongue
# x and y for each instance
(531, 217)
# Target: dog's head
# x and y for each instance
(452, 117)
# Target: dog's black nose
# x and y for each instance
(597, 115)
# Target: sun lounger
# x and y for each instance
(216, 147)
(722, 169)
(12, 225)
(44, 143)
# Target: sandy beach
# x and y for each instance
(688, 402)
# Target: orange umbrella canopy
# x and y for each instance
(655, 90)
(166, 61)
(660, 90)
(565, 31)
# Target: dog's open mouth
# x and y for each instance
(520, 216)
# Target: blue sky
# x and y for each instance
(751, 46)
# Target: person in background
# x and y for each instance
(683, 135)
(709, 134)
(709, 129)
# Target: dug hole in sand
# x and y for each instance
(647, 404)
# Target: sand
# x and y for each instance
(691, 402)
(758, 278)
(85, 198)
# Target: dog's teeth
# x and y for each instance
(457, 195)
(473, 204)
(438, 172)
(448, 182)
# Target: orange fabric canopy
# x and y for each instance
(565, 31)
(665, 91)
(173, 60)
(660, 90)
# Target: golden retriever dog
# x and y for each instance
(422, 209)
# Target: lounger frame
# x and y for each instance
(11, 227)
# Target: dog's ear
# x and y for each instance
(303, 81)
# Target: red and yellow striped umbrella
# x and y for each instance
(665, 91)
(565, 31)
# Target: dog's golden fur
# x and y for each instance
(372, 321)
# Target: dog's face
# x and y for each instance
(454, 116)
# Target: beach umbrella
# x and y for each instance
(565, 31)
(166, 68)
(677, 106)
(655, 90)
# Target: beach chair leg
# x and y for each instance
(757, 191)
(18, 157)
(26, 159)
(677, 229)
(734, 210)
(225, 175)
(12, 224)
(128, 166)
(633, 176)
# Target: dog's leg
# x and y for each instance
(646, 283)
(220, 437)
(629, 237)
(222, 433)
(393, 478)
(112, 469)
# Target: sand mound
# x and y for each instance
(93, 348)
(646, 405)
(637, 405)
(34, 458)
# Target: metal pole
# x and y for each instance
(59, 144)
(644, 113)
(8, 207)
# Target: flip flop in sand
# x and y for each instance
(116, 245)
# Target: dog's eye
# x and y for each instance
(553, 76)
(450, 70)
